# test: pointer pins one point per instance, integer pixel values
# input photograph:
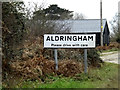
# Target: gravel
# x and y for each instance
(111, 57)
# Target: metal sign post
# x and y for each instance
(56, 41)
(85, 61)
(56, 60)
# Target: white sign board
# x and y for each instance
(69, 40)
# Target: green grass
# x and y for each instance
(110, 50)
(104, 77)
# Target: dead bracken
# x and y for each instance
(37, 67)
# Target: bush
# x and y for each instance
(94, 58)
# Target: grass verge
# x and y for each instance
(109, 50)
(104, 77)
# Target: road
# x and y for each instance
(111, 57)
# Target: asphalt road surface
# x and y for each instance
(111, 57)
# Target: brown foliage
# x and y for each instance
(38, 67)
(112, 45)
(35, 62)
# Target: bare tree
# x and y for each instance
(115, 35)
(78, 16)
(38, 24)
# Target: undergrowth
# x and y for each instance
(104, 77)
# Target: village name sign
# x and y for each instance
(69, 40)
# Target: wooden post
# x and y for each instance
(0, 45)
(101, 26)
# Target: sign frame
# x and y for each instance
(51, 40)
